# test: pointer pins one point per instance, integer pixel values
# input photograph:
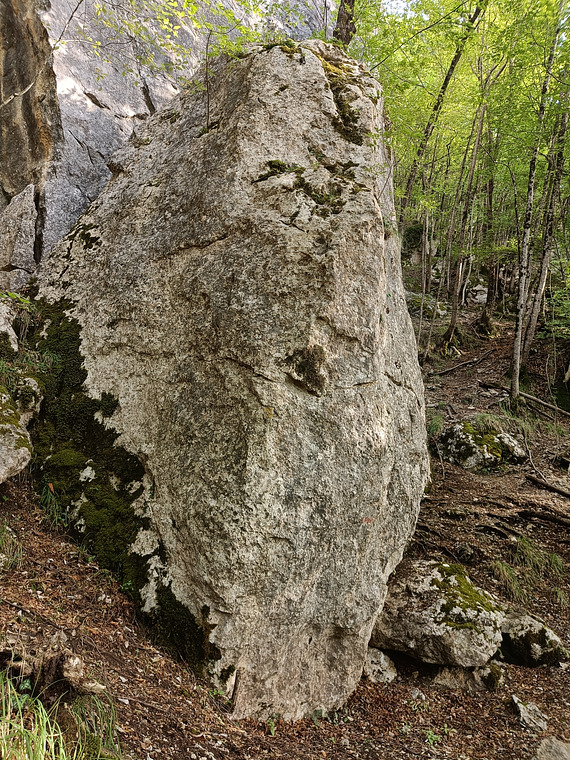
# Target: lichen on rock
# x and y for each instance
(473, 449)
(436, 614)
(234, 298)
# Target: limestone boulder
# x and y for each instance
(434, 613)
(379, 668)
(473, 449)
(238, 309)
(530, 716)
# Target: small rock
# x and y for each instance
(512, 450)
(488, 678)
(466, 552)
(463, 444)
(553, 749)
(418, 695)
(528, 641)
(529, 715)
(379, 668)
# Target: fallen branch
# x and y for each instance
(462, 364)
(548, 486)
(536, 400)
(545, 517)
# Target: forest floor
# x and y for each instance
(164, 711)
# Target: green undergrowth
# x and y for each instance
(526, 569)
(81, 729)
(10, 549)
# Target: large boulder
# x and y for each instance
(434, 613)
(236, 297)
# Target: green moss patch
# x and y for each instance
(463, 601)
(84, 475)
(67, 438)
(346, 124)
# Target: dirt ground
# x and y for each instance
(163, 711)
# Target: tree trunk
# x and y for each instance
(345, 28)
(524, 257)
(458, 269)
(548, 238)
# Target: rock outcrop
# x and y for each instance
(434, 613)
(237, 300)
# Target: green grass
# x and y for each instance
(54, 514)
(528, 567)
(10, 549)
(30, 732)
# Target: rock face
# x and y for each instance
(238, 292)
(29, 132)
(17, 240)
(434, 613)
(66, 110)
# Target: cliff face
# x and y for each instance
(57, 137)
(29, 133)
(248, 444)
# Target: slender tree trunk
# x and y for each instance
(524, 257)
(434, 115)
(548, 238)
(458, 269)
(345, 28)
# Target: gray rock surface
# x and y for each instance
(7, 316)
(528, 641)
(379, 668)
(434, 613)
(17, 239)
(553, 749)
(29, 116)
(487, 678)
(15, 444)
(239, 292)
(472, 449)
(67, 112)
(530, 715)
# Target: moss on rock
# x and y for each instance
(68, 435)
(464, 602)
(97, 482)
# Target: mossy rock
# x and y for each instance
(475, 449)
(98, 485)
